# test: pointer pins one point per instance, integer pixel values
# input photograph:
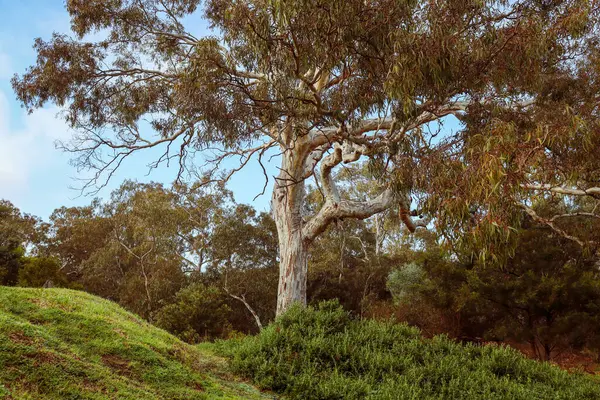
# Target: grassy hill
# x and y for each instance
(65, 344)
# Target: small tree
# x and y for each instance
(404, 282)
(40, 271)
(198, 312)
(18, 232)
(329, 82)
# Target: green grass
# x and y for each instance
(322, 353)
(65, 344)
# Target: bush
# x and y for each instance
(198, 313)
(404, 283)
(36, 271)
(322, 353)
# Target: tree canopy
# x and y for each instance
(328, 82)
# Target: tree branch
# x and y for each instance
(346, 209)
(320, 136)
(405, 216)
(242, 299)
(593, 191)
(549, 222)
(330, 162)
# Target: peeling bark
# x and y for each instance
(288, 195)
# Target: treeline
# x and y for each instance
(191, 260)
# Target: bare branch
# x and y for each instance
(242, 299)
(320, 136)
(576, 214)
(405, 216)
(531, 212)
(593, 191)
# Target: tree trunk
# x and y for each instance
(547, 352)
(293, 267)
(293, 248)
(377, 235)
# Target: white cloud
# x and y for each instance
(28, 148)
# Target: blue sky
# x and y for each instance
(35, 176)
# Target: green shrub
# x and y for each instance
(36, 271)
(322, 353)
(198, 313)
(404, 283)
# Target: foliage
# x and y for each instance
(329, 82)
(36, 271)
(61, 344)
(17, 231)
(10, 263)
(243, 239)
(75, 234)
(137, 248)
(533, 297)
(346, 261)
(148, 242)
(24, 253)
(243, 263)
(404, 282)
(343, 265)
(198, 313)
(321, 353)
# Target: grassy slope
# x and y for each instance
(64, 344)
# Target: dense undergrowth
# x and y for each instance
(64, 344)
(322, 353)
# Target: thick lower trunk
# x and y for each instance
(293, 267)
(293, 249)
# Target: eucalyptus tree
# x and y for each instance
(139, 247)
(244, 260)
(327, 82)
(75, 234)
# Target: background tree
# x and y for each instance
(138, 248)
(11, 249)
(351, 261)
(18, 232)
(326, 82)
(40, 270)
(533, 297)
(244, 260)
(198, 313)
(75, 234)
